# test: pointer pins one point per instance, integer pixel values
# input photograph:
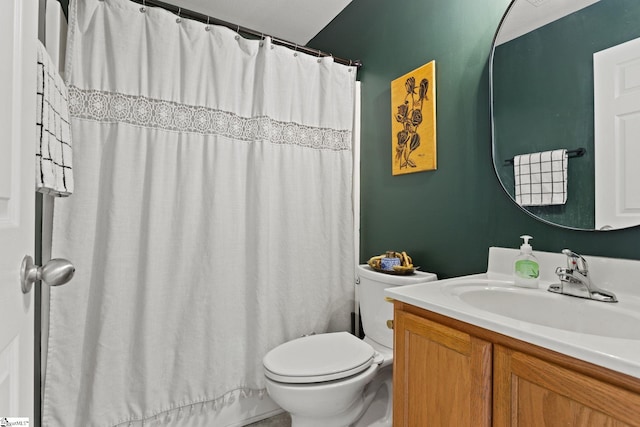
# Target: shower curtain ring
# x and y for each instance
(295, 51)
(143, 9)
(207, 27)
(178, 19)
(261, 40)
(238, 33)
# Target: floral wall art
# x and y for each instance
(413, 106)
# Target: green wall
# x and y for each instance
(548, 75)
(65, 7)
(447, 218)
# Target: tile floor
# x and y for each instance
(282, 420)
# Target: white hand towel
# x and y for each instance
(54, 173)
(541, 178)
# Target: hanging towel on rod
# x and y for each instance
(541, 178)
(54, 174)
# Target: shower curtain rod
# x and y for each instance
(190, 14)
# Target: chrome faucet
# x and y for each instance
(575, 280)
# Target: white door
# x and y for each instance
(617, 135)
(18, 36)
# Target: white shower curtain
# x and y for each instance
(212, 218)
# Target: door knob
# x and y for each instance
(56, 272)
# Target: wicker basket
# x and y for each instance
(403, 272)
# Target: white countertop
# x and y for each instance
(620, 354)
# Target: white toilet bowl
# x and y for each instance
(328, 390)
(336, 379)
(336, 403)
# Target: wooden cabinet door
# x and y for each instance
(442, 376)
(531, 392)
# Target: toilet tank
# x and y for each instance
(374, 309)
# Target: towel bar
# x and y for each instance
(578, 152)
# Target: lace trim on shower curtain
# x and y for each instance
(112, 107)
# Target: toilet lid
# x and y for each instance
(318, 358)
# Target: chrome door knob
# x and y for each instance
(56, 272)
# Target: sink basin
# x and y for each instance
(543, 308)
(601, 333)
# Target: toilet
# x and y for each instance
(336, 379)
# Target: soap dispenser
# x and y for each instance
(526, 270)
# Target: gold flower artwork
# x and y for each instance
(413, 107)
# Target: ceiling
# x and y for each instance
(525, 16)
(297, 21)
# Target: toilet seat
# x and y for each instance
(319, 358)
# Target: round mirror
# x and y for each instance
(565, 105)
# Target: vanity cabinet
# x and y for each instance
(450, 373)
